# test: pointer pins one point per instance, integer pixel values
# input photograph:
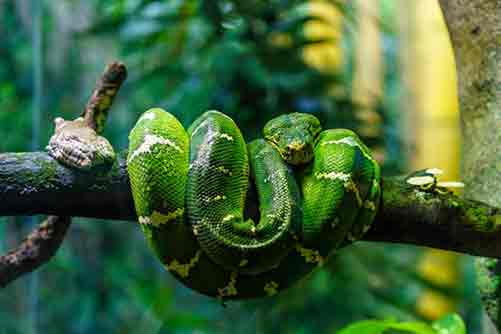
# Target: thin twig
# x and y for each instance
(96, 110)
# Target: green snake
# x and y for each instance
(317, 191)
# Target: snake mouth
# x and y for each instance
(297, 153)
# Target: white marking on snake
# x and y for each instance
(366, 228)
(183, 270)
(349, 185)
(147, 116)
(216, 198)
(228, 218)
(157, 218)
(271, 288)
(370, 205)
(345, 140)
(224, 170)
(351, 142)
(310, 255)
(226, 136)
(333, 176)
(274, 176)
(148, 143)
(230, 289)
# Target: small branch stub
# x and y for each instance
(104, 93)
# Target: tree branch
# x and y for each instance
(38, 248)
(435, 219)
(96, 110)
(34, 183)
(43, 242)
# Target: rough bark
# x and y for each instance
(44, 241)
(475, 31)
(96, 110)
(36, 249)
(34, 183)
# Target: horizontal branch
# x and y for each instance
(34, 183)
(436, 219)
(45, 239)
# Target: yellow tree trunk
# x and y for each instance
(431, 118)
(368, 71)
(437, 128)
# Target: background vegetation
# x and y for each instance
(253, 60)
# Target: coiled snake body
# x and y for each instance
(190, 188)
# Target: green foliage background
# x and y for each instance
(187, 57)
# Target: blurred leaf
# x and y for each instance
(380, 326)
(161, 9)
(139, 28)
(450, 324)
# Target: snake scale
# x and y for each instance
(317, 190)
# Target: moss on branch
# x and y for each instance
(34, 183)
(436, 218)
(41, 176)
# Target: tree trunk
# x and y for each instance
(475, 31)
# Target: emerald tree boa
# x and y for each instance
(317, 190)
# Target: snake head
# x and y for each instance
(293, 135)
